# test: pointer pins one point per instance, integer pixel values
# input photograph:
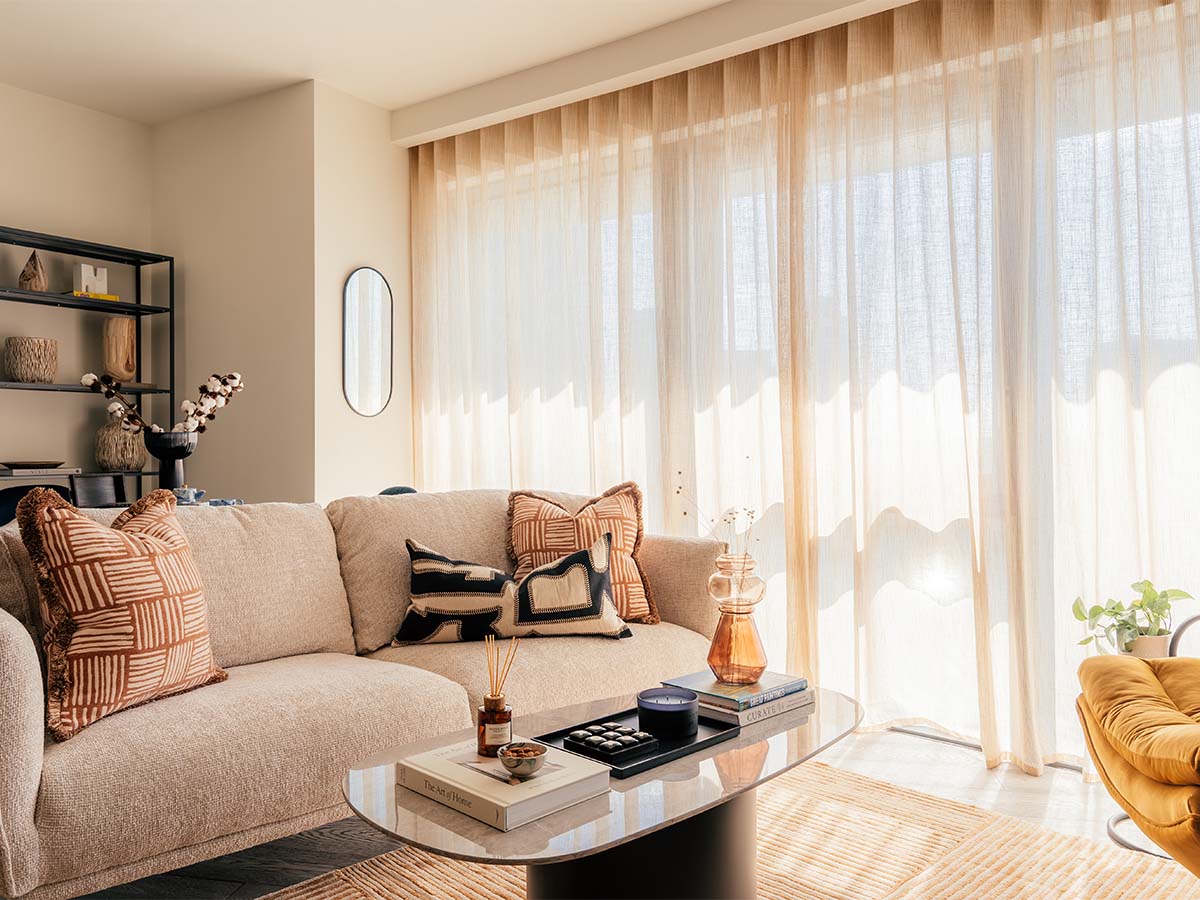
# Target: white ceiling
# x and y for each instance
(153, 60)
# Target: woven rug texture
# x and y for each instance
(827, 834)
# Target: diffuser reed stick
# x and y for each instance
(495, 716)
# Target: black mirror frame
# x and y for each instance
(391, 321)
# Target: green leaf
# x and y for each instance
(1087, 640)
(1077, 610)
(1176, 594)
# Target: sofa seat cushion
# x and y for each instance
(272, 742)
(559, 671)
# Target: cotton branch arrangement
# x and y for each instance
(215, 394)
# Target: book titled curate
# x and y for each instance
(483, 789)
(804, 698)
(771, 686)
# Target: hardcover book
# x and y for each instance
(757, 713)
(483, 789)
(771, 686)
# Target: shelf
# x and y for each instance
(66, 301)
(74, 388)
(133, 474)
(35, 240)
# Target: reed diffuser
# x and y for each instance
(495, 716)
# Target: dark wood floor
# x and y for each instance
(262, 869)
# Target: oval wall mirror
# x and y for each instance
(367, 342)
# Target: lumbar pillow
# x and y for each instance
(453, 600)
(541, 531)
(123, 611)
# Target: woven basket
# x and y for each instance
(117, 450)
(31, 360)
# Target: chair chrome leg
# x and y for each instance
(1113, 836)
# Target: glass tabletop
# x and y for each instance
(632, 807)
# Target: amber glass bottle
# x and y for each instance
(495, 724)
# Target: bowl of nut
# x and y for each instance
(522, 758)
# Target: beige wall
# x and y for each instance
(71, 171)
(233, 201)
(361, 203)
(267, 204)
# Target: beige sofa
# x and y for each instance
(303, 602)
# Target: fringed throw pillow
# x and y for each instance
(123, 611)
(453, 600)
(541, 531)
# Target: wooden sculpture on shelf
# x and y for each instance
(33, 276)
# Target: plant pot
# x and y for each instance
(171, 448)
(1148, 646)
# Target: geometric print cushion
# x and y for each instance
(453, 600)
(123, 610)
(541, 531)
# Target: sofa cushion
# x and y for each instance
(371, 532)
(270, 573)
(454, 600)
(542, 530)
(272, 742)
(559, 671)
(122, 608)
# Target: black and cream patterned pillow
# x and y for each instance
(453, 600)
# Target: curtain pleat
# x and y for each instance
(921, 290)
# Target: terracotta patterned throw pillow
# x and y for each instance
(123, 609)
(541, 531)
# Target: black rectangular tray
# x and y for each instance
(710, 732)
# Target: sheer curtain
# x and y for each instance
(921, 289)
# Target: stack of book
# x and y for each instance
(18, 471)
(745, 704)
(483, 789)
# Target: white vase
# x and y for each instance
(1149, 646)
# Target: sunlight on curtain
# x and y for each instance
(928, 281)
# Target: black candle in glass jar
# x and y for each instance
(668, 713)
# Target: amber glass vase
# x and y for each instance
(736, 655)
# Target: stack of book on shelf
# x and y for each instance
(745, 704)
(16, 470)
(482, 788)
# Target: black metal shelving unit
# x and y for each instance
(89, 250)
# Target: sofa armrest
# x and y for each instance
(1140, 718)
(677, 569)
(22, 737)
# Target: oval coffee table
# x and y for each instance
(684, 829)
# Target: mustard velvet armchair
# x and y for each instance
(1141, 720)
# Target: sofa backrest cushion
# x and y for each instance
(371, 532)
(270, 573)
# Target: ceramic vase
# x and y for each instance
(171, 448)
(736, 655)
(1148, 646)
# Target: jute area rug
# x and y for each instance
(826, 834)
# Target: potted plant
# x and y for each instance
(1142, 629)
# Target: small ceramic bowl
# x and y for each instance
(522, 758)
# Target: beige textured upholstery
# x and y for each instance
(270, 574)
(466, 525)
(229, 765)
(22, 732)
(678, 570)
(559, 671)
(270, 743)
